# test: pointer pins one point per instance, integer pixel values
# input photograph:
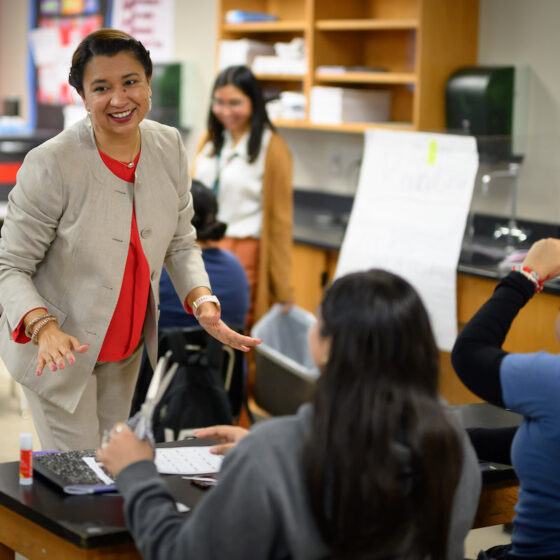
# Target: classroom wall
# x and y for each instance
(526, 33)
(510, 32)
(195, 42)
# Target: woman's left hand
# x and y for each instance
(122, 449)
(209, 319)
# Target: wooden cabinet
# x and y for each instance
(312, 269)
(414, 44)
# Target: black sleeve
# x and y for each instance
(478, 353)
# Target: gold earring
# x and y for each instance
(150, 107)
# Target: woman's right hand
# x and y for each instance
(227, 435)
(56, 348)
(544, 258)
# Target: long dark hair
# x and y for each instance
(107, 42)
(242, 78)
(382, 461)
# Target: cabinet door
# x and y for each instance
(309, 275)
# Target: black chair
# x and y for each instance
(229, 361)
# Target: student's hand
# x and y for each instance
(228, 435)
(123, 448)
(544, 258)
(56, 348)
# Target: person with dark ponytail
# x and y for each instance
(227, 275)
(376, 466)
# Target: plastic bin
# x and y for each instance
(284, 369)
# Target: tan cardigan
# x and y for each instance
(274, 281)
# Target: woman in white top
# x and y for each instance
(250, 169)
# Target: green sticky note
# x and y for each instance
(432, 151)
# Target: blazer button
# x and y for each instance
(146, 232)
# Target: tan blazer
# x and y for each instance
(65, 241)
(274, 282)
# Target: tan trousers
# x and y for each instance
(106, 400)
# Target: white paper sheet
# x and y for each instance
(409, 216)
(44, 43)
(97, 468)
(187, 460)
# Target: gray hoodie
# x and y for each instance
(260, 508)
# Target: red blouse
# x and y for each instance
(125, 329)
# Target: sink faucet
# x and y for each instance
(511, 231)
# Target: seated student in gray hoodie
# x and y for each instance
(375, 466)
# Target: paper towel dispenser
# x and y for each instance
(480, 100)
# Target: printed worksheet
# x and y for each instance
(187, 460)
(409, 216)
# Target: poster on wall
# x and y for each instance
(149, 21)
(52, 43)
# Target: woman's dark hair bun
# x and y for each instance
(208, 227)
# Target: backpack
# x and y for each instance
(196, 396)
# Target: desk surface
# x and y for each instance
(485, 415)
(86, 521)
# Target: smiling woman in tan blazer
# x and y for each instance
(76, 221)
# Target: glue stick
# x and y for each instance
(25, 458)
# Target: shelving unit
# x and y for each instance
(415, 44)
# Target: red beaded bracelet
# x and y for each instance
(531, 275)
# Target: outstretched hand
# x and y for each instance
(227, 435)
(209, 319)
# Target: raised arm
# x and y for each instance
(477, 354)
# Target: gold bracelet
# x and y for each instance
(39, 326)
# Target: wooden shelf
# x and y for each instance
(418, 44)
(368, 77)
(294, 26)
(365, 24)
(280, 77)
(344, 127)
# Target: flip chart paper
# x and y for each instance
(409, 216)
